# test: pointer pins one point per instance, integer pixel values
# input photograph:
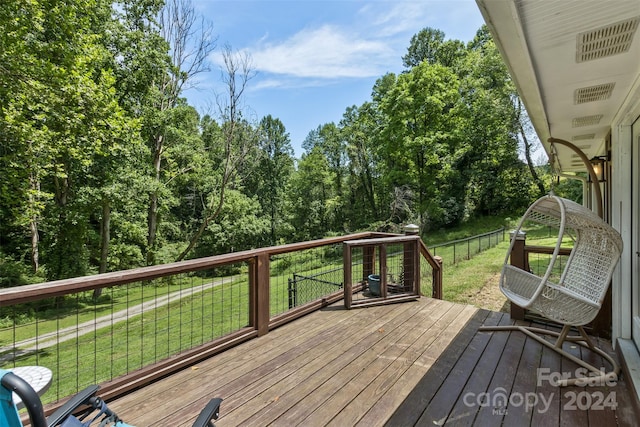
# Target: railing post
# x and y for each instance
(454, 253)
(293, 292)
(410, 279)
(346, 273)
(259, 293)
(518, 259)
(437, 279)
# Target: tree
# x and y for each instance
(419, 136)
(275, 166)
(238, 226)
(525, 129)
(190, 43)
(308, 193)
(424, 47)
(489, 125)
(328, 139)
(238, 137)
(358, 128)
(25, 98)
(60, 113)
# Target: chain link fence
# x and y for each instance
(463, 249)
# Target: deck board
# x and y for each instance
(315, 382)
(549, 360)
(226, 373)
(385, 375)
(402, 364)
(404, 385)
(480, 375)
(388, 367)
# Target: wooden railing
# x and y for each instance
(152, 321)
(435, 262)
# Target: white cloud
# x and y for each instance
(287, 82)
(401, 18)
(406, 18)
(326, 52)
(368, 44)
(268, 84)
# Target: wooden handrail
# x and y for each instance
(38, 291)
(433, 261)
(545, 250)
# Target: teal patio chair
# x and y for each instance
(93, 410)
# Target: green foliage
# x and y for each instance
(308, 195)
(237, 228)
(12, 273)
(273, 168)
(562, 186)
(424, 47)
(106, 166)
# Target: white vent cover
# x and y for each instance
(586, 121)
(593, 93)
(583, 137)
(606, 41)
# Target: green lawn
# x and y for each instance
(467, 277)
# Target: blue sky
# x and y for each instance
(316, 58)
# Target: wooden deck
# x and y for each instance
(413, 363)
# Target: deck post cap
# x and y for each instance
(411, 229)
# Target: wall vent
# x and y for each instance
(583, 137)
(593, 93)
(586, 121)
(606, 41)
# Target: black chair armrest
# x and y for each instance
(29, 397)
(211, 411)
(82, 398)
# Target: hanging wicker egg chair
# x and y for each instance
(570, 291)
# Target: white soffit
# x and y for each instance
(583, 58)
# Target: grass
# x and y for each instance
(475, 281)
(467, 278)
(470, 228)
